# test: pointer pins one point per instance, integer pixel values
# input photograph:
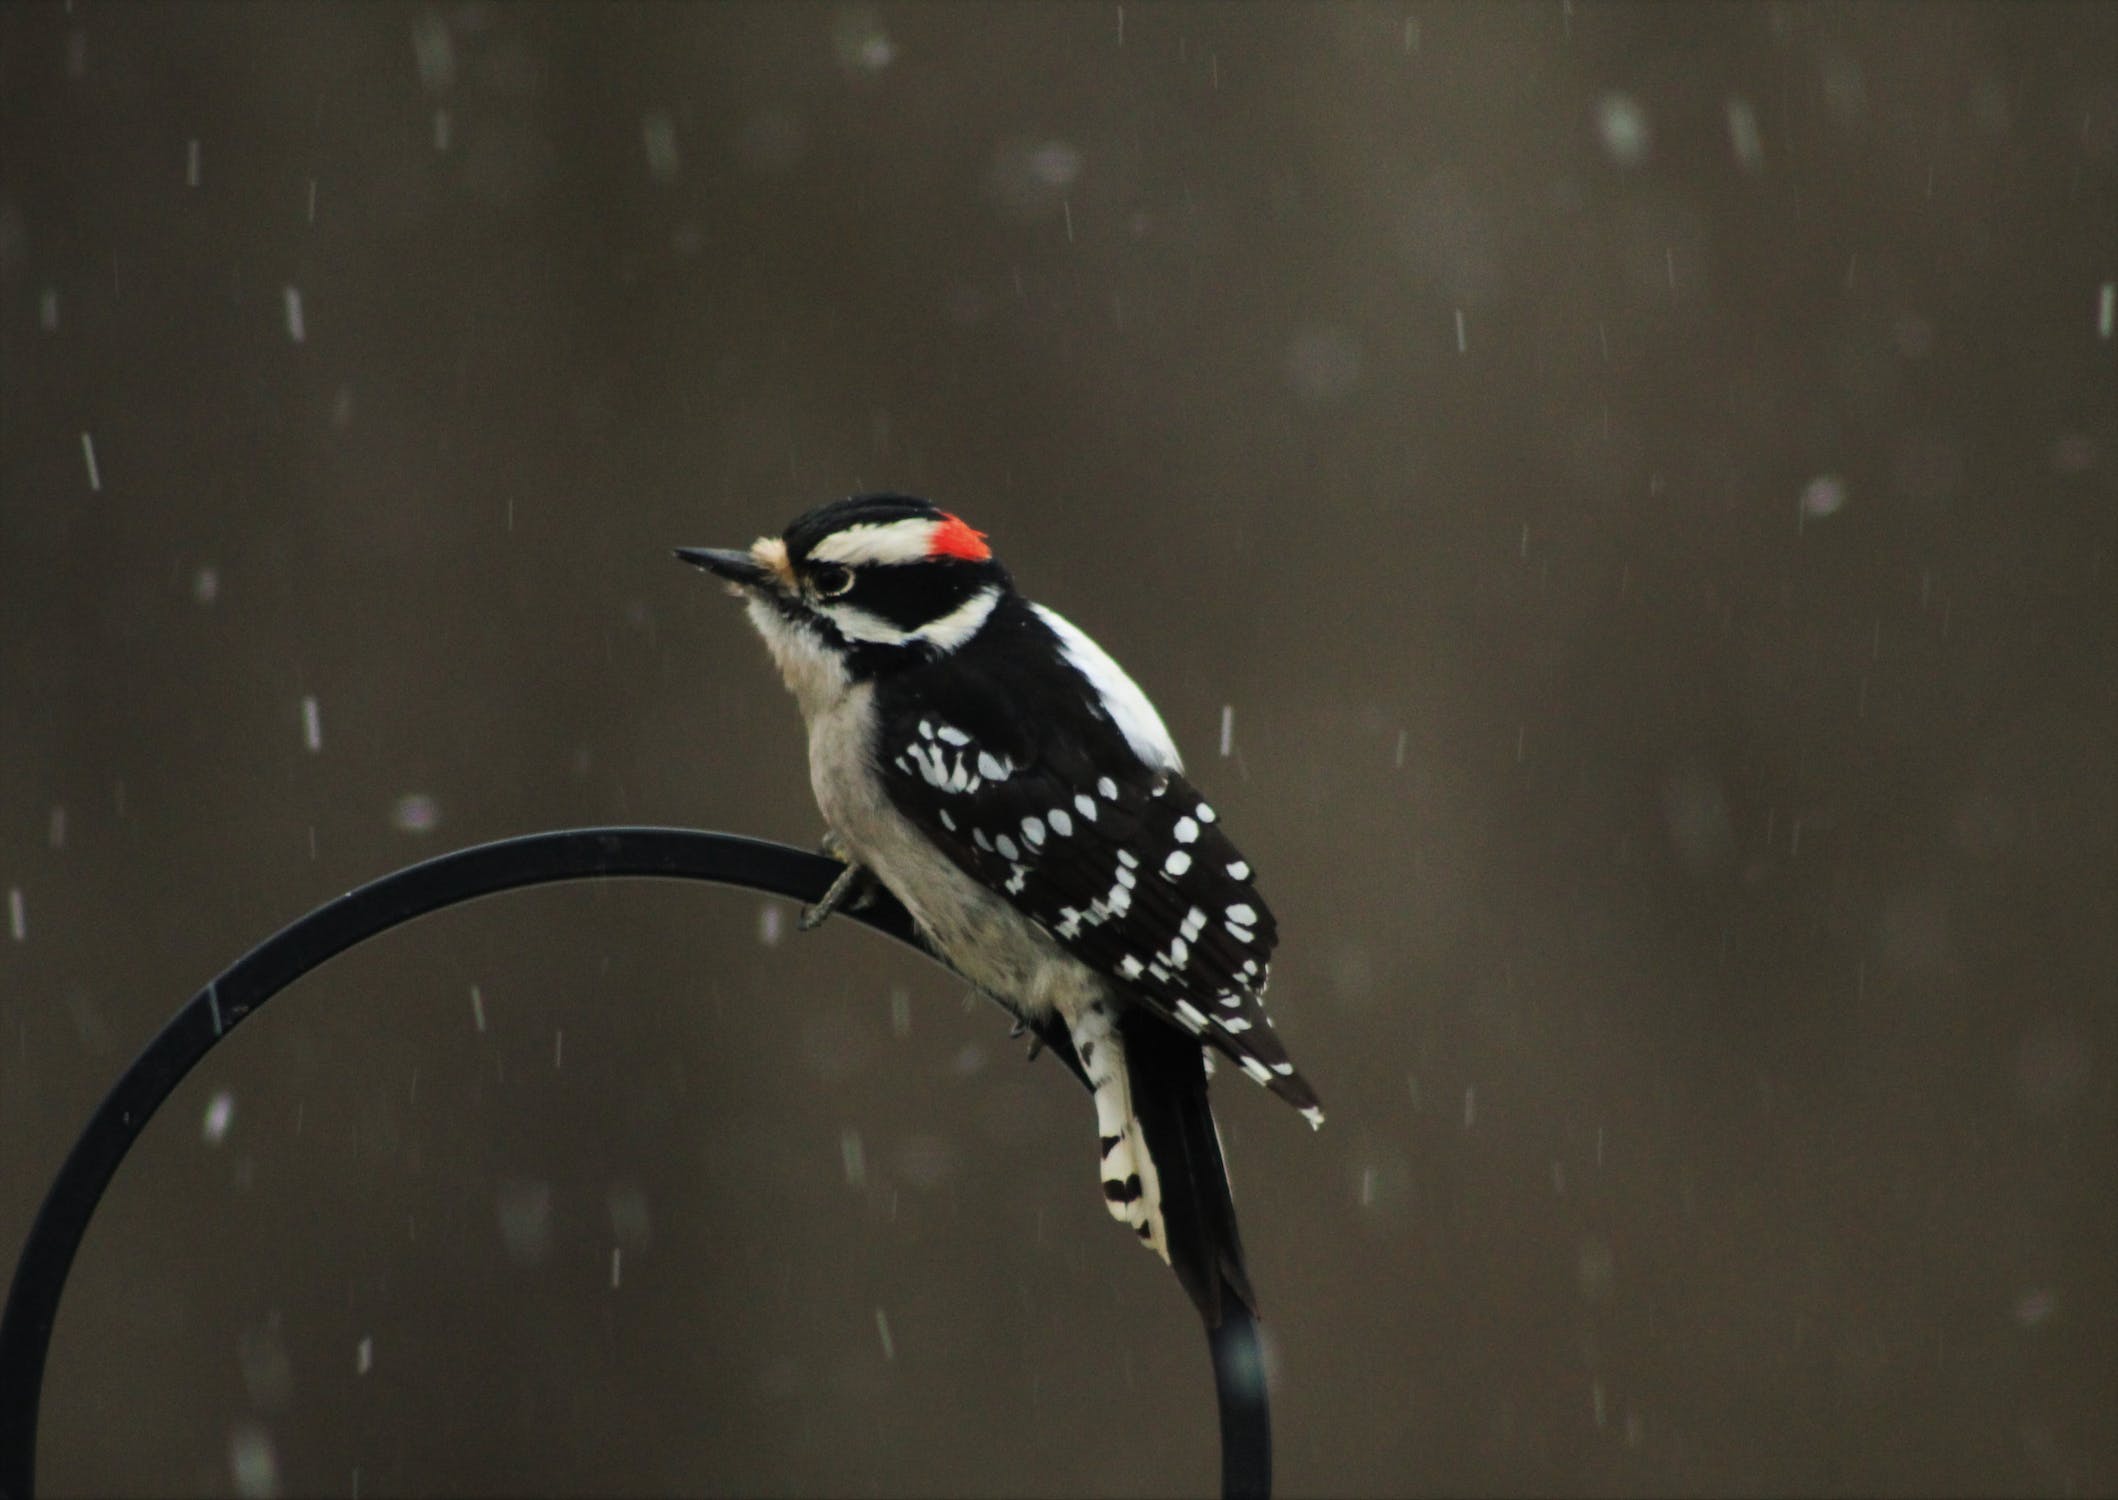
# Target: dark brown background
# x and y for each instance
(1699, 902)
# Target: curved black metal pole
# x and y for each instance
(534, 859)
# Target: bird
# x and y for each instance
(983, 760)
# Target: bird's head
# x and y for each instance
(867, 582)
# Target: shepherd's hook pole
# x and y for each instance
(534, 859)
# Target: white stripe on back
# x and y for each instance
(1121, 696)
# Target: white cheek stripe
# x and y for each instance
(1127, 705)
(908, 540)
(960, 623)
(944, 634)
(857, 624)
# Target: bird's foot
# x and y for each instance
(853, 889)
(1021, 1029)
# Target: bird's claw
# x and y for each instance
(853, 889)
(1021, 1029)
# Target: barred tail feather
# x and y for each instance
(1163, 1175)
(1132, 1188)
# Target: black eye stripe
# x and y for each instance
(830, 580)
(910, 595)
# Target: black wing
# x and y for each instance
(1124, 864)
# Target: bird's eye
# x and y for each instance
(830, 580)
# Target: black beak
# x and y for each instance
(736, 567)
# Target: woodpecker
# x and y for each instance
(993, 768)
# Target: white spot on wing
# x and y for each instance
(1187, 831)
(1178, 862)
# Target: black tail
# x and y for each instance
(1198, 1216)
(1168, 1071)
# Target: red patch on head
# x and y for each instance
(952, 538)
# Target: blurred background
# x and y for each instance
(1616, 503)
